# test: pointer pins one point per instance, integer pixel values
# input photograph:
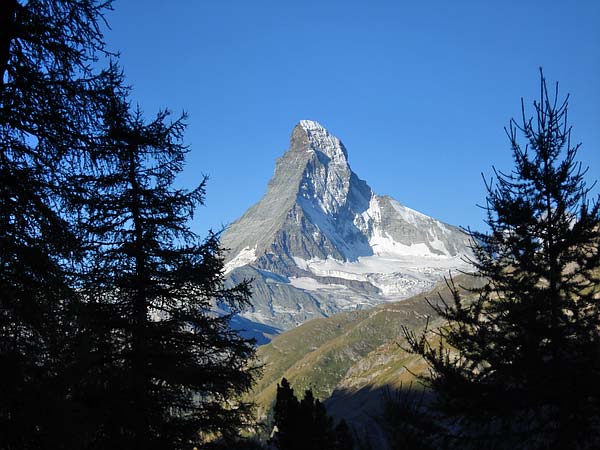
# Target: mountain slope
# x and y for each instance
(351, 352)
(320, 241)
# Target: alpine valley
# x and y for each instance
(320, 241)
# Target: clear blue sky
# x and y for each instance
(418, 91)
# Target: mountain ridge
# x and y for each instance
(320, 241)
(354, 350)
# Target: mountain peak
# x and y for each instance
(312, 125)
(320, 240)
(318, 139)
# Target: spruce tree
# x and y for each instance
(108, 331)
(305, 424)
(322, 436)
(169, 368)
(519, 367)
(286, 418)
(49, 96)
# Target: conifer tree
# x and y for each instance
(49, 96)
(286, 417)
(169, 366)
(108, 336)
(520, 366)
(305, 424)
(323, 436)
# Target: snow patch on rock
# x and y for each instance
(310, 284)
(246, 256)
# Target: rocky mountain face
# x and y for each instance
(320, 241)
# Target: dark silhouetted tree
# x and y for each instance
(316, 425)
(109, 335)
(168, 365)
(49, 98)
(406, 422)
(286, 417)
(305, 424)
(519, 367)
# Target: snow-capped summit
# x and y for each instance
(309, 205)
(311, 125)
(320, 241)
(321, 140)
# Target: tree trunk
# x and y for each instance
(140, 310)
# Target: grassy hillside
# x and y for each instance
(350, 352)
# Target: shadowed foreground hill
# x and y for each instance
(350, 354)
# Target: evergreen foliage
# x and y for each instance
(305, 424)
(48, 98)
(109, 330)
(286, 417)
(174, 364)
(406, 423)
(519, 367)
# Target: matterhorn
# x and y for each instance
(320, 241)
